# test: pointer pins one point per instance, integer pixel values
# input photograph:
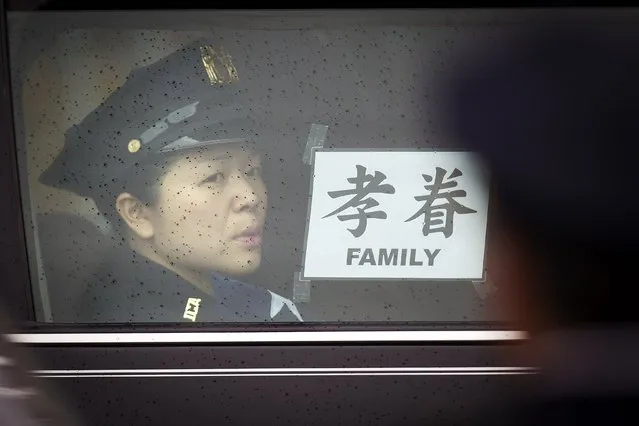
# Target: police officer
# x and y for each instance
(171, 158)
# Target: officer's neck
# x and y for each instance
(200, 279)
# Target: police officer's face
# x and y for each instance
(210, 212)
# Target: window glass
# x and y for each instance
(246, 167)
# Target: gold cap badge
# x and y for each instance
(218, 65)
(134, 145)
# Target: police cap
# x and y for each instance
(188, 99)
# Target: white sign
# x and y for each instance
(396, 215)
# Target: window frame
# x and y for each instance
(18, 283)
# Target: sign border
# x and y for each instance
(305, 277)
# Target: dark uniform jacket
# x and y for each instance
(131, 288)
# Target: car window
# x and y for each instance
(244, 167)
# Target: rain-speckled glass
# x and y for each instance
(166, 161)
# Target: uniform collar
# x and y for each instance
(145, 284)
(240, 299)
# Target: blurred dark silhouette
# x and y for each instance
(553, 109)
(24, 399)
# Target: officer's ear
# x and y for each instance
(135, 215)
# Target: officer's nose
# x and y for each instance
(245, 196)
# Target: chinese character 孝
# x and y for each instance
(365, 184)
(439, 217)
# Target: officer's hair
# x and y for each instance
(143, 181)
(581, 281)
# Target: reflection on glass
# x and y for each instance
(166, 173)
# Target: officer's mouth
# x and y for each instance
(250, 237)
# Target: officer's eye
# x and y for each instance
(254, 171)
(214, 178)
